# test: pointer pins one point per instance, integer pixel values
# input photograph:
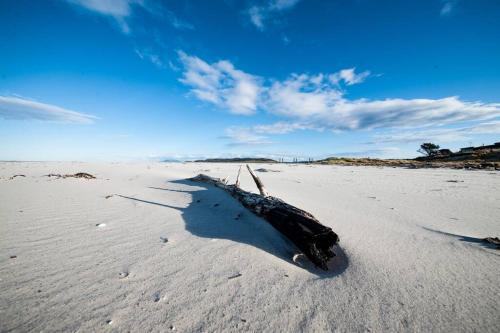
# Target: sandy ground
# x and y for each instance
(165, 254)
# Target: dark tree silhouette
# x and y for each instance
(429, 149)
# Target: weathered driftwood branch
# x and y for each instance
(237, 183)
(304, 230)
(257, 181)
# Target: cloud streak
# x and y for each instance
(16, 108)
(448, 7)
(445, 135)
(221, 84)
(259, 134)
(348, 76)
(243, 136)
(319, 101)
(119, 10)
(155, 59)
(259, 15)
(364, 114)
(122, 10)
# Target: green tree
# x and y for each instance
(429, 149)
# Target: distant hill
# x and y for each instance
(481, 157)
(476, 155)
(473, 161)
(239, 160)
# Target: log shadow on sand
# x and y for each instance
(213, 214)
(473, 240)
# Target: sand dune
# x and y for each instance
(139, 249)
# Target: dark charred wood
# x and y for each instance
(315, 240)
(494, 241)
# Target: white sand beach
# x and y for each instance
(140, 249)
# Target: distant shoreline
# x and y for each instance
(238, 160)
(473, 162)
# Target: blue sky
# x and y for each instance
(148, 79)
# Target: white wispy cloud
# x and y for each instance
(122, 10)
(344, 114)
(282, 127)
(302, 96)
(259, 134)
(119, 10)
(24, 109)
(348, 76)
(298, 96)
(221, 84)
(259, 14)
(243, 136)
(319, 102)
(115, 8)
(441, 135)
(177, 22)
(155, 59)
(448, 7)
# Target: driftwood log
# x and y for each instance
(315, 240)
